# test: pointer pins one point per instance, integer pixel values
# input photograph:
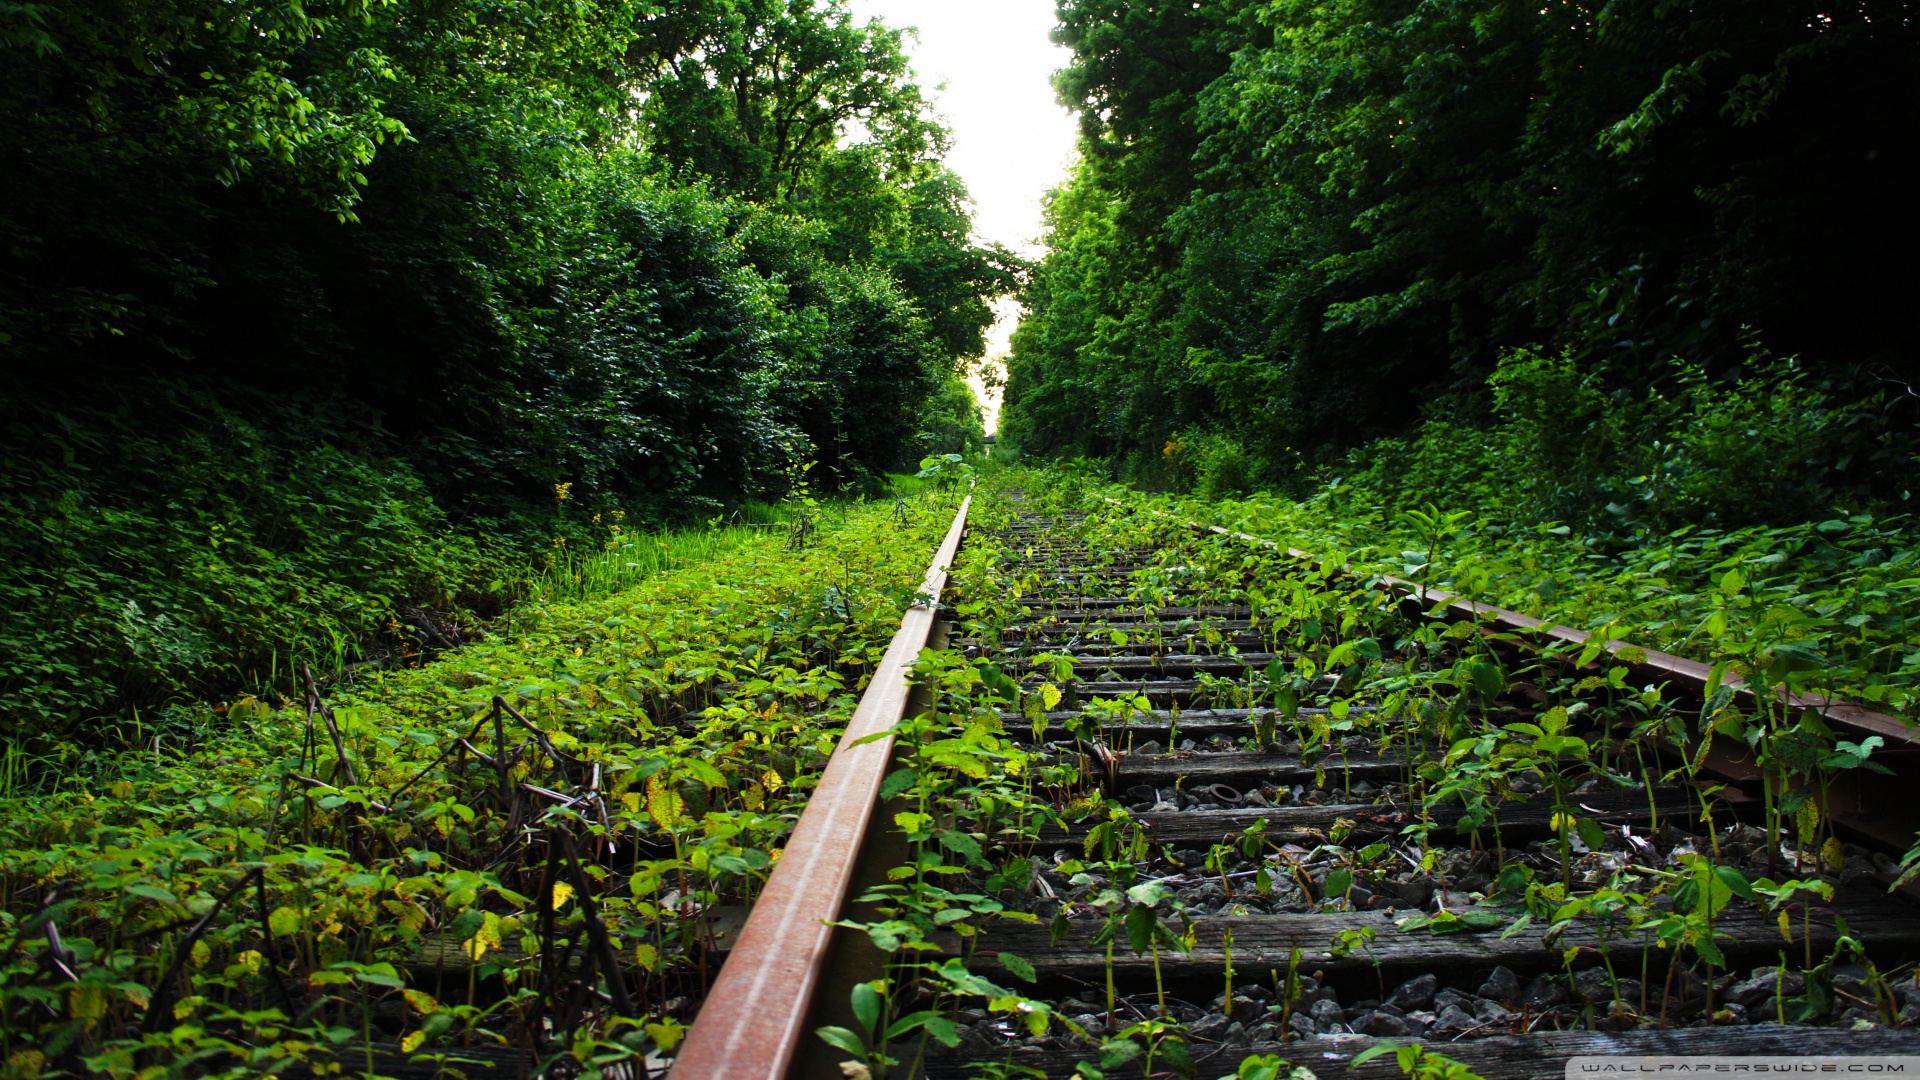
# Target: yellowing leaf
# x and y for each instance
(283, 921)
(647, 957)
(562, 892)
(87, 1003)
(201, 954)
(412, 1042)
(1049, 695)
(667, 1033)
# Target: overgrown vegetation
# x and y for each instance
(427, 860)
(1299, 227)
(310, 310)
(1490, 803)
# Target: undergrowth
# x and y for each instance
(455, 857)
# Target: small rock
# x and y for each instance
(1302, 1025)
(1188, 857)
(1254, 798)
(1858, 1019)
(1730, 1013)
(1210, 1028)
(1453, 1019)
(1381, 1025)
(1390, 1009)
(1488, 1011)
(1544, 992)
(1448, 997)
(1502, 986)
(1418, 1021)
(1761, 985)
(1415, 993)
(1594, 984)
(1328, 1017)
(1148, 749)
(1246, 1010)
(1909, 1013)
(1142, 793)
(1236, 1034)
(1851, 979)
(1095, 1023)
(1407, 893)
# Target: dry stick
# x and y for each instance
(546, 744)
(431, 765)
(549, 968)
(58, 953)
(418, 617)
(616, 983)
(315, 705)
(163, 992)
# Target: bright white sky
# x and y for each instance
(1011, 140)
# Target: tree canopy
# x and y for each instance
(1302, 226)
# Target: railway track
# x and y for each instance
(1241, 804)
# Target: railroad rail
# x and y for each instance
(1322, 870)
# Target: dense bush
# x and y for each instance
(197, 548)
(351, 287)
(1300, 225)
(1768, 444)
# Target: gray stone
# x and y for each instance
(1142, 793)
(1302, 1025)
(1593, 984)
(1453, 1019)
(1236, 1034)
(1488, 1011)
(1502, 986)
(1210, 1028)
(1449, 997)
(1761, 986)
(1381, 1025)
(1246, 1010)
(1418, 1021)
(1545, 991)
(1328, 1017)
(1407, 893)
(1414, 993)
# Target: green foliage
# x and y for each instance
(1303, 225)
(265, 901)
(196, 552)
(1768, 444)
(387, 274)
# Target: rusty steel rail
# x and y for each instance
(1872, 809)
(1691, 674)
(756, 1014)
